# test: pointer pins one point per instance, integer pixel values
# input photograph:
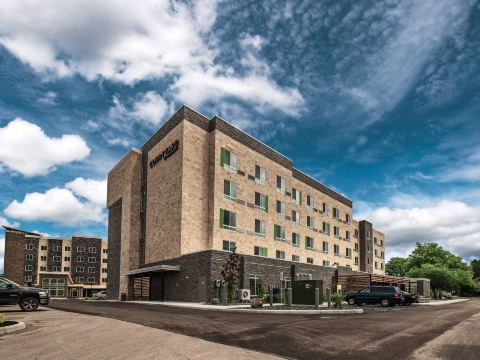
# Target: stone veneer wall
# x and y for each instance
(114, 245)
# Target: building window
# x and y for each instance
(382, 254)
(325, 208)
(228, 159)
(28, 267)
(91, 269)
(66, 258)
(347, 218)
(325, 247)
(92, 260)
(229, 190)
(28, 256)
(281, 184)
(280, 255)
(279, 232)
(43, 268)
(336, 250)
(336, 231)
(56, 258)
(310, 222)
(326, 263)
(56, 268)
(310, 202)
(295, 258)
(104, 271)
(356, 233)
(79, 269)
(57, 248)
(326, 228)
(381, 242)
(79, 280)
(80, 248)
(261, 201)
(348, 253)
(105, 251)
(347, 235)
(260, 175)
(259, 228)
(228, 219)
(66, 269)
(92, 249)
(227, 246)
(104, 261)
(55, 287)
(44, 247)
(336, 213)
(43, 258)
(295, 217)
(104, 280)
(295, 239)
(375, 240)
(368, 260)
(280, 208)
(376, 265)
(356, 246)
(260, 251)
(296, 196)
(376, 253)
(356, 260)
(308, 242)
(91, 280)
(80, 258)
(309, 260)
(381, 266)
(68, 248)
(29, 246)
(254, 285)
(28, 278)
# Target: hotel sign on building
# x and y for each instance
(173, 223)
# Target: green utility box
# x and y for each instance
(303, 292)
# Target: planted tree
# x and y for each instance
(231, 274)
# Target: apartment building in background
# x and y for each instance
(67, 267)
(200, 188)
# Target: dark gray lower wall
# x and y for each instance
(114, 246)
(195, 282)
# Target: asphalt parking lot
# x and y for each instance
(446, 332)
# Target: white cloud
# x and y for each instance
(130, 42)
(48, 99)
(5, 222)
(92, 190)
(55, 205)
(152, 108)
(453, 224)
(26, 149)
(254, 41)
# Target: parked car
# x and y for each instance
(383, 295)
(28, 298)
(409, 299)
(101, 295)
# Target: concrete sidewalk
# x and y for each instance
(53, 334)
(441, 302)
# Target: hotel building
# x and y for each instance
(67, 267)
(199, 188)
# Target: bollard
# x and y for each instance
(289, 295)
(271, 296)
(317, 298)
(329, 297)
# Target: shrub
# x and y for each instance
(2, 319)
(256, 303)
(337, 300)
(215, 301)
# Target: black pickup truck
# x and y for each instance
(28, 298)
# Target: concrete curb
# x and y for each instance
(299, 312)
(12, 328)
(442, 302)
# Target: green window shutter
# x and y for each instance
(222, 156)
(266, 203)
(221, 218)
(265, 252)
(328, 229)
(306, 242)
(275, 232)
(300, 197)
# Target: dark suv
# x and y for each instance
(28, 298)
(384, 295)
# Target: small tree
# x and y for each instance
(260, 289)
(231, 274)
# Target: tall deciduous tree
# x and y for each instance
(397, 266)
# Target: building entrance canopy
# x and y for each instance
(155, 268)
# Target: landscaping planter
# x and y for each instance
(10, 326)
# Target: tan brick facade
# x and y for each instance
(184, 198)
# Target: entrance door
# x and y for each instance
(141, 288)
(202, 289)
(73, 293)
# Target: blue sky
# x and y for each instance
(378, 100)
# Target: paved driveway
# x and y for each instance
(59, 335)
(387, 334)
